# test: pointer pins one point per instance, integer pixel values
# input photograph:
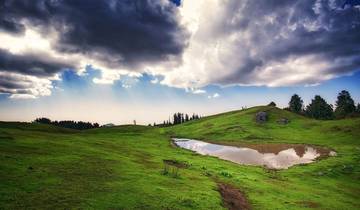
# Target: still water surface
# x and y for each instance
(280, 158)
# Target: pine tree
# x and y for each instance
(175, 119)
(186, 117)
(179, 117)
(319, 109)
(344, 105)
(296, 104)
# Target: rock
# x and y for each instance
(332, 153)
(261, 117)
(283, 121)
(108, 125)
(320, 173)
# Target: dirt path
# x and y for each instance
(233, 199)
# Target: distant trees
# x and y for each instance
(79, 125)
(296, 104)
(344, 104)
(179, 118)
(272, 104)
(43, 120)
(319, 109)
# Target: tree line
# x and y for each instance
(320, 109)
(78, 125)
(178, 118)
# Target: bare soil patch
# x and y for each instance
(176, 163)
(309, 204)
(233, 198)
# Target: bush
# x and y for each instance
(272, 104)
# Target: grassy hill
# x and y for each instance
(241, 125)
(43, 167)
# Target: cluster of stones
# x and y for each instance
(262, 117)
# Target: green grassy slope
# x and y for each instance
(241, 125)
(333, 183)
(44, 167)
(110, 168)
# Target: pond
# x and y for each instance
(274, 156)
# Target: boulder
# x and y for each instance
(283, 121)
(261, 117)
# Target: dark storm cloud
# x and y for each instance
(283, 29)
(134, 30)
(9, 83)
(262, 42)
(14, 85)
(11, 27)
(30, 64)
(119, 33)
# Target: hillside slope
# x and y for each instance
(43, 167)
(241, 126)
(327, 184)
(46, 167)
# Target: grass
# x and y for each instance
(43, 167)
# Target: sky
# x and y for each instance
(115, 61)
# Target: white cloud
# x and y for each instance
(199, 91)
(22, 96)
(129, 81)
(126, 86)
(107, 78)
(30, 41)
(34, 43)
(59, 89)
(155, 81)
(267, 50)
(215, 95)
(26, 86)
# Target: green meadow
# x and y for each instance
(47, 167)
